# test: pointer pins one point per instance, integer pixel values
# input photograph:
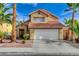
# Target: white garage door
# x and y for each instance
(51, 34)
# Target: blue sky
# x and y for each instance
(23, 10)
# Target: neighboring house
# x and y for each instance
(41, 25)
(6, 27)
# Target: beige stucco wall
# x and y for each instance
(61, 34)
(32, 33)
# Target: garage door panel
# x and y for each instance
(51, 34)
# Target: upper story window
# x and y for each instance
(39, 19)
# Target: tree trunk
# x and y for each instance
(14, 24)
(72, 24)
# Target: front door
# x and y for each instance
(21, 32)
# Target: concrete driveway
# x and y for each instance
(57, 48)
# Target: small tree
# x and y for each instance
(72, 7)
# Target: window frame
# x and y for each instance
(38, 19)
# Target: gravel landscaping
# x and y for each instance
(6, 43)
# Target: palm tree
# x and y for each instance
(14, 24)
(5, 17)
(72, 7)
(76, 28)
(68, 22)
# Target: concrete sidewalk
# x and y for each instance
(16, 49)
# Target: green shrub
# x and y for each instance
(7, 35)
(1, 34)
(25, 36)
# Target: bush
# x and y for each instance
(25, 37)
(7, 35)
(2, 34)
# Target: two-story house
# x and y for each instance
(42, 25)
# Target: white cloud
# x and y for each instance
(65, 13)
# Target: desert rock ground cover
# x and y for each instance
(18, 43)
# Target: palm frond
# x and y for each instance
(3, 16)
(70, 4)
(8, 15)
(76, 28)
(1, 5)
(72, 7)
(6, 9)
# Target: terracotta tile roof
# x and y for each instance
(45, 12)
(24, 23)
(52, 24)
